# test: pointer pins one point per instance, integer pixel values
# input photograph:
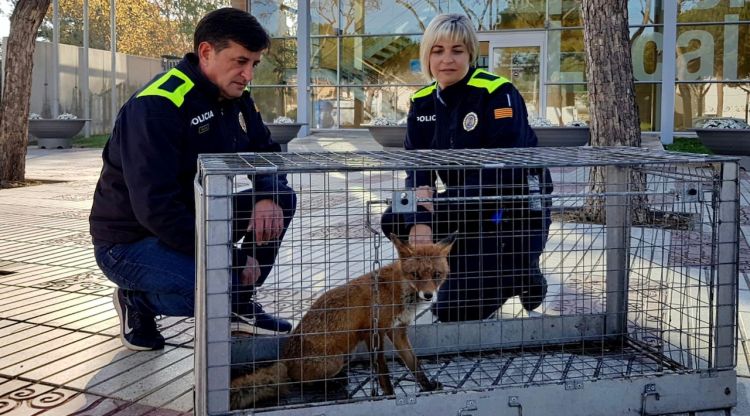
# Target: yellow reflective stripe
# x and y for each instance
(423, 92)
(489, 84)
(178, 95)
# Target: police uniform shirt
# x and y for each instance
(146, 184)
(482, 110)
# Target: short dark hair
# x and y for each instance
(222, 25)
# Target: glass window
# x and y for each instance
(278, 17)
(648, 99)
(324, 17)
(646, 46)
(515, 14)
(278, 65)
(566, 103)
(381, 60)
(645, 12)
(363, 17)
(694, 102)
(712, 11)
(493, 15)
(324, 101)
(274, 102)
(565, 13)
(713, 52)
(359, 105)
(324, 61)
(565, 56)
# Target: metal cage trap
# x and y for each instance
(641, 265)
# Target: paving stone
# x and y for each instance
(162, 387)
(129, 371)
(91, 354)
(45, 308)
(33, 399)
(51, 346)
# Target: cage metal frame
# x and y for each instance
(659, 393)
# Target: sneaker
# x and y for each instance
(532, 295)
(137, 330)
(257, 321)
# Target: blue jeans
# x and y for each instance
(161, 280)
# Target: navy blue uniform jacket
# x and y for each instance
(146, 184)
(482, 110)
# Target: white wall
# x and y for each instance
(132, 73)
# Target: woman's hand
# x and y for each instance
(425, 192)
(420, 234)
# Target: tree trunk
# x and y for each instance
(719, 100)
(614, 119)
(14, 106)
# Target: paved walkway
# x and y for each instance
(59, 351)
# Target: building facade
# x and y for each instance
(351, 61)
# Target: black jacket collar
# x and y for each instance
(453, 93)
(190, 66)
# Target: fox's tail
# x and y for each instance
(263, 384)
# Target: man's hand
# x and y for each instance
(425, 192)
(267, 221)
(250, 273)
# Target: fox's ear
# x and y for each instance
(447, 243)
(404, 249)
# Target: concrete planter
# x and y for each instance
(284, 133)
(55, 133)
(562, 136)
(734, 142)
(393, 136)
(390, 137)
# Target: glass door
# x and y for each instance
(519, 57)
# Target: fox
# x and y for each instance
(318, 348)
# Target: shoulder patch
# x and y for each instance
(424, 92)
(482, 74)
(505, 112)
(487, 80)
(173, 85)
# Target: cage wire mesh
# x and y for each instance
(648, 290)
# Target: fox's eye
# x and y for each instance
(415, 275)
(438, 275)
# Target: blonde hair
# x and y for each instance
(454, 27)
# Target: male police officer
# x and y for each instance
(143, 220)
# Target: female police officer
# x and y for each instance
(497, 254)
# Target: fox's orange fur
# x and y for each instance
(319, 347)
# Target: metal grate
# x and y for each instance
(435, 159)
(650, 291)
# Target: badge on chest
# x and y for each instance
(243, 125)
(470, 121)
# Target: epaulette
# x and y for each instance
(424, 91)
(173, 85)
(487, 80)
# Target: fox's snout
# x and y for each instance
(425, 295)
(426, 289)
